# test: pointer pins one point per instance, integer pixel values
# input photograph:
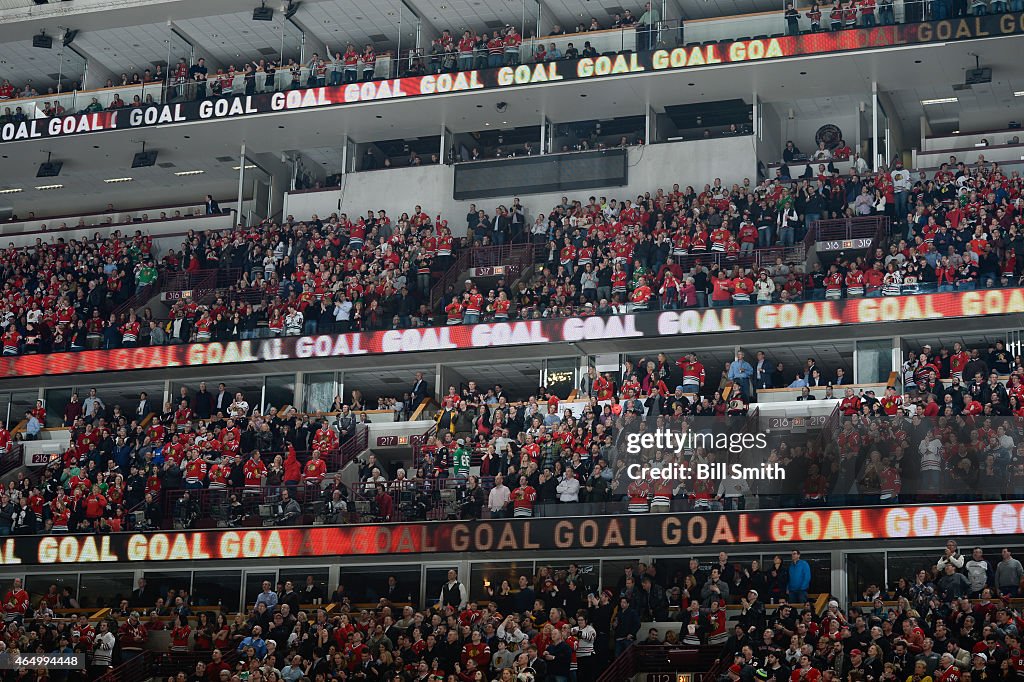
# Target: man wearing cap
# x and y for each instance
(669, 402)
(132, 636)
(856, 662)
(979, 666)
(752, 616)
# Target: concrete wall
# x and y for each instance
(651, 167)
(801, 129)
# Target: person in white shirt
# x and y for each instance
(585, 635)
(822, 153)
(293, 322)
(103, 646)
(453, 591)
(509, 632)
(239, 408)
(90, 403)
(540, 226)
(569, 488)
(859, 164)
(951, 555)
(342, 313)
(499, 497)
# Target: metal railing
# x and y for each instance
(622, 668)
(667, 33)
(863, 227)
(701, 660)
(160, 665)
(12, 461)
(514, 257)
(208, 499)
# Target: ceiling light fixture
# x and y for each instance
(191, 172)
(1019, 93)
(49, 186)
(939, 100)
(13, 190)
(247, 166)
(113, 180)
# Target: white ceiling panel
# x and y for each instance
(21, 63)
(236, 39)
(120, 51)
(339, 21)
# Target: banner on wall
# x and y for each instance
(651, 531)
(668, 324)
(698, 56)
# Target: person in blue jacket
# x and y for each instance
(799, 579)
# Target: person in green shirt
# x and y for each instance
(94, 106)
(648, 27)
(147, 275)
(460, 460)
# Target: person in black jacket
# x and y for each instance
(202, 402)
(289, 596)
(753, 616)
(650, 600)
(152, 511)
(558, 656)
(625, 625)
(502, 226)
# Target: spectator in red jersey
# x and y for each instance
(16, 602)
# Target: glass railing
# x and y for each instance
(664, 34)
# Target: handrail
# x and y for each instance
(829, 432)
(848, 228)
(514, 257)
(820, 602)
(622, 668)
(135, 668)
(840, 386)
(427, 402)
(12, 460)
(151, 664)
(449, 276)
